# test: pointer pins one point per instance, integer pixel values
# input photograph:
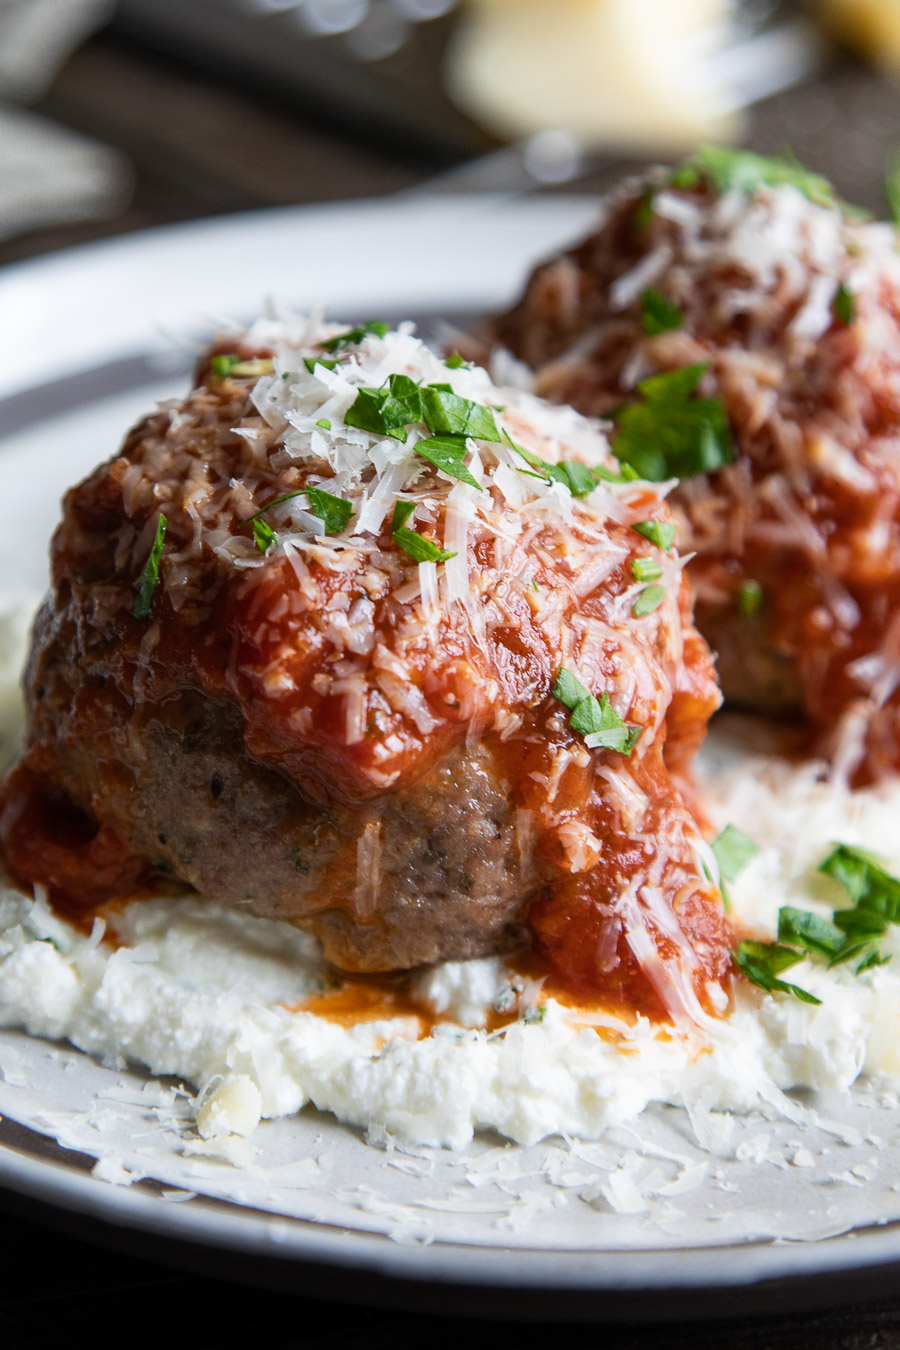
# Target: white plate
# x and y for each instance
(90, 339)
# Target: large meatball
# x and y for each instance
(751, 266)
(301, 652)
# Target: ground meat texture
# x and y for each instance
(320, 728)
(796, 308)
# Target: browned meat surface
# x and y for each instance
(330, 721)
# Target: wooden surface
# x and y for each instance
(201, 146)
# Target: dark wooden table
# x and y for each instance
(201, 146)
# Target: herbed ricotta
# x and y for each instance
(197, 991)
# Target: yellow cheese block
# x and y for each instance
(871, 27)
(625, 74)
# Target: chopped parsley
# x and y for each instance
(579, 478)
(353, 336)
(733, 850)
(451, 420)
(447, 452)
(645, 569)
(149, 578)
(659, 532)
(387, 411)
(762, 963)
(223, 363)
(852, 934)
(844, 305)
(808, 931)
(658, 315)
(876, 903)
(750, 597)
(334, 511)
(286, 497)
(449, 414)
(324, 423)
(419, 549)
(673, 434)
(312, 361)
(264, 535)
(456, 362)
(649, 600)
(644, 211)
(595, 719)
(727, 169)
(569, 689)
(227, 364)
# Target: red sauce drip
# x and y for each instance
(51, 842)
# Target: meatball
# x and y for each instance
(750, 268)
(353, 639)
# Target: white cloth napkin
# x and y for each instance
(36, 36)
(49, 174)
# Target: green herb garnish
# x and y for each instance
(228, 364)
(800, 928)
(649, 600)
(447, 452)
(413, 544)
(762, 962)
(658, 315)
(354, 335)
(750, 597)
(645, 569)
(324, 423)
(334, 511)
(569, 689)
(264, 535)
(876, 903)
(844, 305)
(387, 411)
(390, 411)
(312, 361)
(852, 934)
(644, 211)
(286, 497)
(726, 168)
(455, 362)
(733, 850)
(448, 414)
(223, 364)
(864, 879)
(659, 532)
(672, 434)
(579, 478)
(149, 578)
(595, 719)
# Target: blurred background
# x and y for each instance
(118, 114)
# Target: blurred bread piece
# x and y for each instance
(629, 74)
(869, 27)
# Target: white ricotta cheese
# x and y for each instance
(209, 995)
